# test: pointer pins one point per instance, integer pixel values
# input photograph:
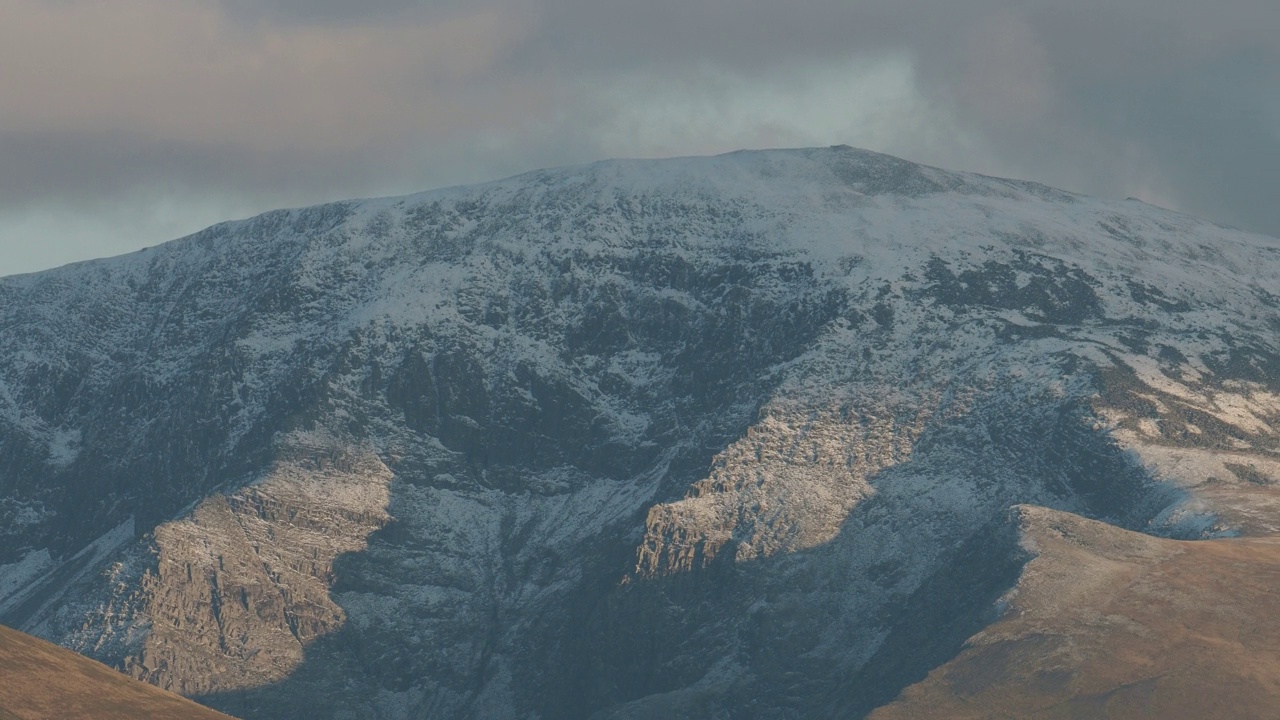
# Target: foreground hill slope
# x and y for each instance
(39, 680)
(1106, 623)
(716, 437)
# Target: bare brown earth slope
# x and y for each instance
(1107, 623)
(41, 680)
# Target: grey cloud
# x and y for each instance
(287, 101)
(82, 167)
(748, 35)
(177, 93)
(1142, 99)
(1108, 97)
(1215, 134)
(325, 12)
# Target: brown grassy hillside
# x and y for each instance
(41, 680)
(1106, 623)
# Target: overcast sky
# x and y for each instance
(124, 123)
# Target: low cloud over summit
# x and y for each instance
(126, 123)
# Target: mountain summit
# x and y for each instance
(748, 436)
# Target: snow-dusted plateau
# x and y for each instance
(764, 435)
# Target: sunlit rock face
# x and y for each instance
(787, 485)
(241, 585)
(230, 595)
(720, 437)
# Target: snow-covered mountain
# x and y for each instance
(711, 437)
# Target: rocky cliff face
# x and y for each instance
(240, 586)
(723, 437)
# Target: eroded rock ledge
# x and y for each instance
(240, 586)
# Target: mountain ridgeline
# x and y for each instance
(730, 437)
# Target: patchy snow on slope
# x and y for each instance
(821, 373)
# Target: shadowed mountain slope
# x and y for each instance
(729, 437)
